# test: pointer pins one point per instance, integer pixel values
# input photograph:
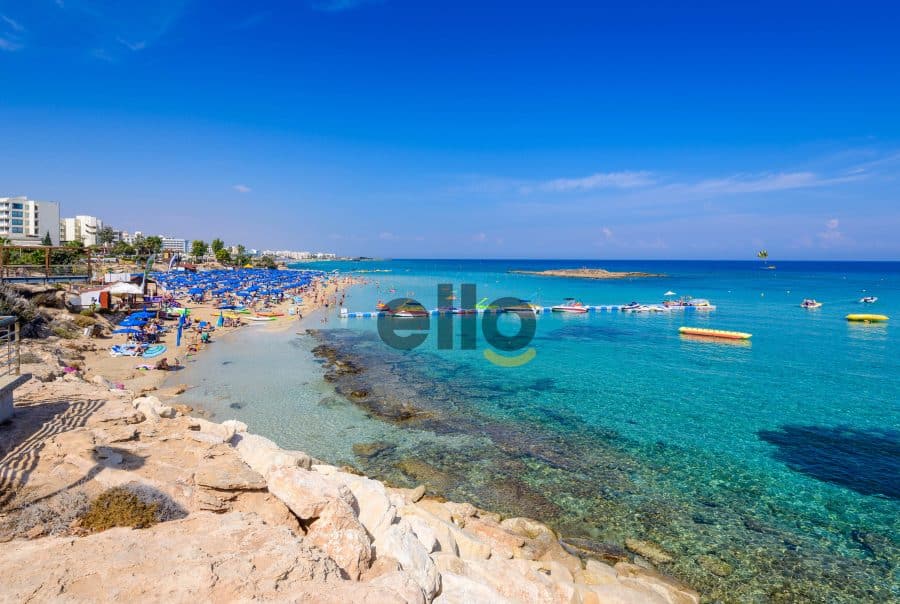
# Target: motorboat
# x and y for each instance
(381, 306)
(810, 303)
(630, 306)
(409, 309)
(570, 305)
(868, 300)
(686, 302)
(647, 308)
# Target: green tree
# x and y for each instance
(153, 244)
(46, 241)
(198, 249)
(106, 236)
(216, 245)
(121, 248)
(223, 256)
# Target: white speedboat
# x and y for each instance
(810, 303)
(570, 305)
(868, 300)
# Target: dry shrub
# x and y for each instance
(83, 321)
(119, 506)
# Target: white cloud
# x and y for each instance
(480, 237)
(386, 235)
(831, 235)
(134, 46)
(764, 183)
(9, 45)
(13, 24)
(599, 180)
(242, 188)
(607, 233)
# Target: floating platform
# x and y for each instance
(596, 308)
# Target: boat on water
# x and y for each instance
(867, 318)
(686, 302)
(647, 308)
(381, 306)
(408, 310)
(810, 303)
(630, 306)
(868, 300)
(715, 333)
(570, 305)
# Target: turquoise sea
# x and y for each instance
(769, 471)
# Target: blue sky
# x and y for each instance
(411, 128)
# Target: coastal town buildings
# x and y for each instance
(27, 221)
(174, 244)
(85, 229)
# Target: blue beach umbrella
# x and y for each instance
(129, 330)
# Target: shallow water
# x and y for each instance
(778, 458)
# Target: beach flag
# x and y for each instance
(220, 321)
(178, 334)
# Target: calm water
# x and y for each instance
(768, 471)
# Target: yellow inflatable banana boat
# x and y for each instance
(865, 318)
(715, 333)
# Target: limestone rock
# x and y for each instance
(649, 550)
(263, 455)
(502, 542)
(236, 425)
(222, 431)
(403, 584)
(400, 542)
(306, 493)
(424, 533)
(417, 493)
(457, 589)
(227, 473)
(673, 591)
(374, 507)
(204, 557)
(339, 534)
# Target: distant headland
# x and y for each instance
(589, 273)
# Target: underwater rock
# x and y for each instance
(607, 552)
(424, 472)
(649, 550)
(716, 566)
(372, 449)
(878, 545)
(359, 394)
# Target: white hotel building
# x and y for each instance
(26, 221)
(81, 228)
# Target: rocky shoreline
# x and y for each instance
(247, 520)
